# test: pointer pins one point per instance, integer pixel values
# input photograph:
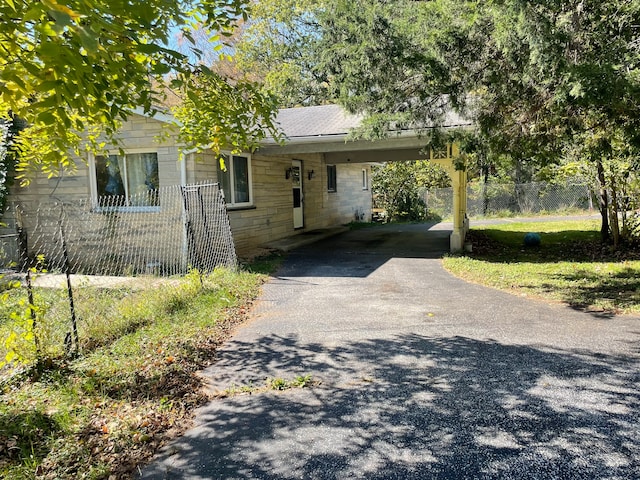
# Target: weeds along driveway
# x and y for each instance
(423, 376)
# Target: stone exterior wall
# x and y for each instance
(350, 202)
(271, 215)
(200, 167)
(138, 134)
(269, 218)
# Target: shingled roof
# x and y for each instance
(322, 123)
(321, 120)
(333, 120)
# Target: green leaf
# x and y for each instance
(206, 70)
(148, 48)
(34, 13)
(46, 118)
(49, 85)
(89, 39)
(61, 18)
(33, 69)
(51, 52)
(577, 90)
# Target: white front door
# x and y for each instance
(298, 197)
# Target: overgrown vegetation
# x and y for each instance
(571, 265)
(133, 387)
(398, 187)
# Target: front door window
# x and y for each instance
(298, 197)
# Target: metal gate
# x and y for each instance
(209, 241)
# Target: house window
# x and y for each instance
(331, 178)
(235, 180)
(365, 180)
(132, 178)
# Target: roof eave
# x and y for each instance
(157, 115)
(340, 142)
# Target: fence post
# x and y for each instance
(23, 248)
(67, 272)
(188, 226)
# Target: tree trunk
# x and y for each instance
(603, 203)
(624, 212)
(485, 183)
(614, 212)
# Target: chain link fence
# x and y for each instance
(513, 199)
(72, 261)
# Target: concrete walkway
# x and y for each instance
(422, 376)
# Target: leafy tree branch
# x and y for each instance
(72, 66)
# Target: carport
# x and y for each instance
(326, 129)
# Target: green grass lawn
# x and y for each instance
(570, 265)
(135, 382)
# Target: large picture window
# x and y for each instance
(132, 177)
(235, 180)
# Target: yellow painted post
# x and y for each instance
(459, 184)
(459, 187)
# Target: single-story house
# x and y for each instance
(318, 179)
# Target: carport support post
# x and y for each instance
(460, 221)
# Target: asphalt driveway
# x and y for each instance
(422, 376)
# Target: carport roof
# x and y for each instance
(333, 120)
(325, 129)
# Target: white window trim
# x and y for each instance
(365, 179)
(230, 167)
(94, 182)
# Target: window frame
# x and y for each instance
(93, 180)
(365, 179)
(332, 187)
(231, 168)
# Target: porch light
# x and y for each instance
(311, 174)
